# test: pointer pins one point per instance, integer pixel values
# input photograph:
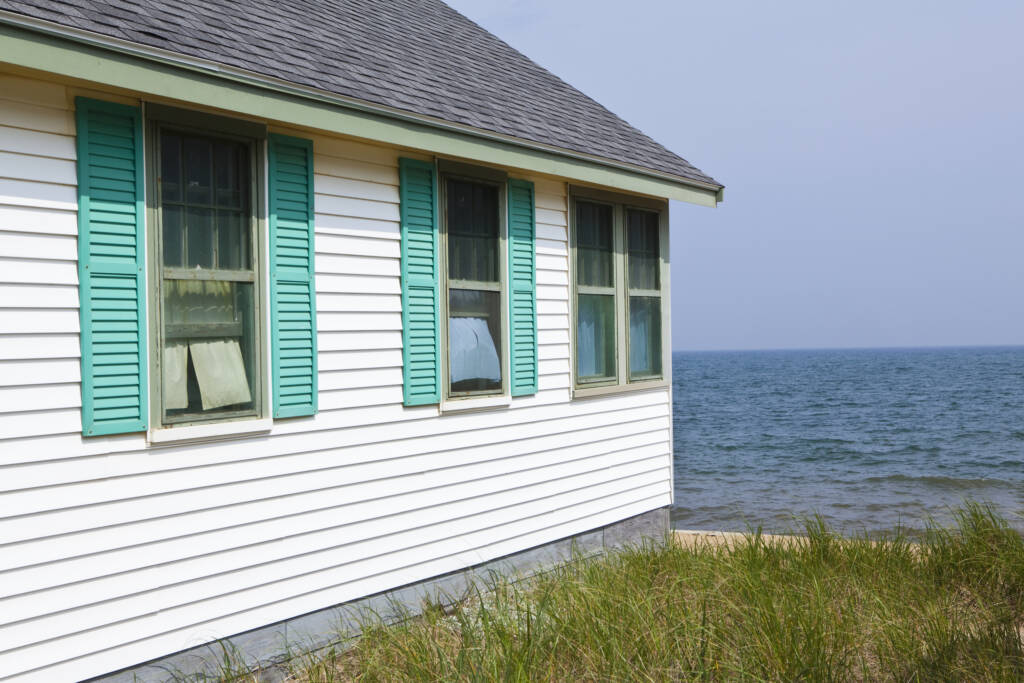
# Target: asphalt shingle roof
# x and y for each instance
(419, 56)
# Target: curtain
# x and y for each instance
(472, 352)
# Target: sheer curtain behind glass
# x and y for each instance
(474, 288)
(644, 266)
(595, 292)
(208, 305)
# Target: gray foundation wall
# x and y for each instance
(265, 648)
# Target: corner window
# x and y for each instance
(207, 305)
(475, 285)
(620, 254)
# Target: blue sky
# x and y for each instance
(872, 152)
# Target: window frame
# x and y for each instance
(253, 135)
(498, 179)
(620, 203)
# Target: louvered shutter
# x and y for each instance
(111, 262)
(522, 287)
(421, 326)
(292, 276)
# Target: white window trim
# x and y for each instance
(622, 382)
(211, 431)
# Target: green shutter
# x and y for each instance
(292, 276)
(522, 286)
(111, 262)
(421, 324)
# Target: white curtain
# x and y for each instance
(472, 352)
(220, 372)
(175, 375)
(592, 339)
(639, 341)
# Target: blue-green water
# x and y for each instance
(867, 438)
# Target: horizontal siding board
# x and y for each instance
(44, 195)
(357, 246)
(357, 189)
(38, 296)
(27, 397)
(346, 206)
(39, 372)
(327, 224)
(37, 143)
(29, 245)
(45, 119)
(549, 217)
(38, 321)
(37, 168)
(38, 220)
(362, 171)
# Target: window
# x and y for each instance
(474, 270)
(619, 265)
(207, 306)
(177, 210)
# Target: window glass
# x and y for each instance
(208, 309)
(200, 235)
(473, 227)
(474, 288)
(595, 338)
(474, 340)
(644, 337)
(594, 245)
(644, 251)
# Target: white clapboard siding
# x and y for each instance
(116, 551)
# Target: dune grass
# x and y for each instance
(949, 606)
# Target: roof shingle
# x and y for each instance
(419, 56)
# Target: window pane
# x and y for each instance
(644, 337)
(644, 253)
(473, 226)
(173, 236)
(170, 168)
(594, 245)
(198, 168)
(209, 347)
(232, 240)
(474, 341)
(199, 238)
(227, 163)
(595, 338)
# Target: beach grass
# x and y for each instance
(948, 606)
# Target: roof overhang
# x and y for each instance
(89, 57)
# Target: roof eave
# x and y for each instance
(695, 191)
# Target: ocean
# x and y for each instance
(869, 439)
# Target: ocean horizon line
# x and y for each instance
(785, 349)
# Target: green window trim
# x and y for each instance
(111, 267)
(292, 276)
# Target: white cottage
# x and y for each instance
(306, 305)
